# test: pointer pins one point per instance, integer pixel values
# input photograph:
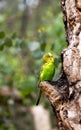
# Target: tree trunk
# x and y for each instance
(41, 122)
(65, 93)
(24, 20)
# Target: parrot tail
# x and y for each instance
(38, 100)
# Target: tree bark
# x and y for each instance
(24, 20)
(65, 93)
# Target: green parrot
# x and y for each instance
(47, 71)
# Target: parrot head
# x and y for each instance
(48, 57)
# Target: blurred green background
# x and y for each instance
(28, 29)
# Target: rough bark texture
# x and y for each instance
(65, 93)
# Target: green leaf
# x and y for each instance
(14, 35)
(1, 47)
(7, 42)
(2, 34)
(28, 86)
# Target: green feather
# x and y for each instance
(47, 70)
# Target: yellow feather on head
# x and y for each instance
(48, 57)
